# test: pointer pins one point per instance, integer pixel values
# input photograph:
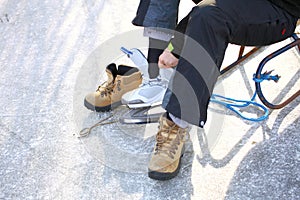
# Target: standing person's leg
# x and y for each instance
(156, 47)
(211, 26)
(159, 18)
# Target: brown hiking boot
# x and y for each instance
(168, 150)
(109, 94)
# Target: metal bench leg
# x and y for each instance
(258, 75)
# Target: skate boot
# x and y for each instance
(166, 157)
(150, 93)
(108, 95)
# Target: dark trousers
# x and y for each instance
(156, 47)
(208, 29)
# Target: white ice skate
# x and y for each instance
(151, 91)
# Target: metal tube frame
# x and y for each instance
(258, 75)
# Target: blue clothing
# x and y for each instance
(157, 13)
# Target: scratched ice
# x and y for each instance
(44, 45)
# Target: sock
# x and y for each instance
(179, 122)
(168, 116)
(156, 47)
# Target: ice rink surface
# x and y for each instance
(49, 60)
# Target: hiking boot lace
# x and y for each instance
(106, 88)
(167, 145)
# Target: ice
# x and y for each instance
(45, 48)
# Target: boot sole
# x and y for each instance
(166, 176)
(103, 108)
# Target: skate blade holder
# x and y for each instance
(143, 115)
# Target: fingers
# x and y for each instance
(167, 60)
(161, 64)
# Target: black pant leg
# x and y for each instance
(156, 47)
(258, 22)
(211, 26)
(205, 41)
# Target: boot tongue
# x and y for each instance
(111, 71)
(110, 76)
(168, 123)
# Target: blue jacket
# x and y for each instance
(157, 13)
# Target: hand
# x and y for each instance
(167, 60)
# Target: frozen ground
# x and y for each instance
(46, 47)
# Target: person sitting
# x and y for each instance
(197, 51)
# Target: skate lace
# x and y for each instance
(86, 131)
(106, 88)
(155, 82)
(166, 144)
